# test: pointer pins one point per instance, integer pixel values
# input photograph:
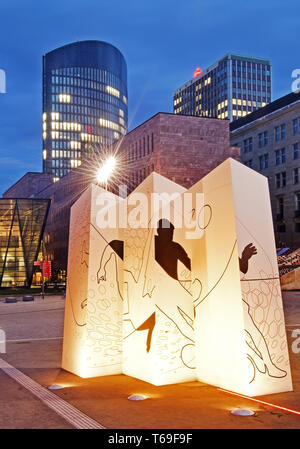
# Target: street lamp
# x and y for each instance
(106, 170)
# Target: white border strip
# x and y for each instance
(34, 339)
(69, 413)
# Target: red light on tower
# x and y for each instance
(89, 129)
(197, 72)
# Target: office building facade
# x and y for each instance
(231, 88)
(22, 223)
(269, 141)
(84, 103)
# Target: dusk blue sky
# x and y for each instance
(162, 42)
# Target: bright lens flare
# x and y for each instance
(106, 170)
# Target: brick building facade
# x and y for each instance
(181, 148)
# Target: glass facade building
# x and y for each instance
(22, 223)
(84, 102)
(229, 89)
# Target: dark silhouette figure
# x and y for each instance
(247, 253)
(148, 325)
(118, 247)
(168, 252)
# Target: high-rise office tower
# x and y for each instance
(229, 89)
(84, 102)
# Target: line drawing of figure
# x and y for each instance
(113, 249)
(260, 358)
(167, 255)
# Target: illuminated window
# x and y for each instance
(44, 116)
(109, 124)
(74, 145)
(112, 91)
(44, 154)
(64, 98)
(44, 135)
(75, 163)
(124, 99)
(121, 112)
(54, 115)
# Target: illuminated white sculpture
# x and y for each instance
(92, 343)
(239, 326)
(158, 344)
(173, 293)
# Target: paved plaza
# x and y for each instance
(34, 346)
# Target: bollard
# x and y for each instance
(28, 298)
(10, 300)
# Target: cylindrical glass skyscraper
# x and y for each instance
(84, 102)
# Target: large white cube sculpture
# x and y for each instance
(92, 343)
(239, 325)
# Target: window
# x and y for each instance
(249, 163)
(263, 139)
(295, 126)
(264, 161)
(281, 228)
(296, 150)
(280, 132)
(280, 180)
(296, 175)
(297, 201)
(283, 179)
(248, 145)
(280, 208)
(280, 156)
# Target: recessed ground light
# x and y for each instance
(242, 412)
(137, 397)
(55, 387)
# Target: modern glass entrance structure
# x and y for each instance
(22, 223)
